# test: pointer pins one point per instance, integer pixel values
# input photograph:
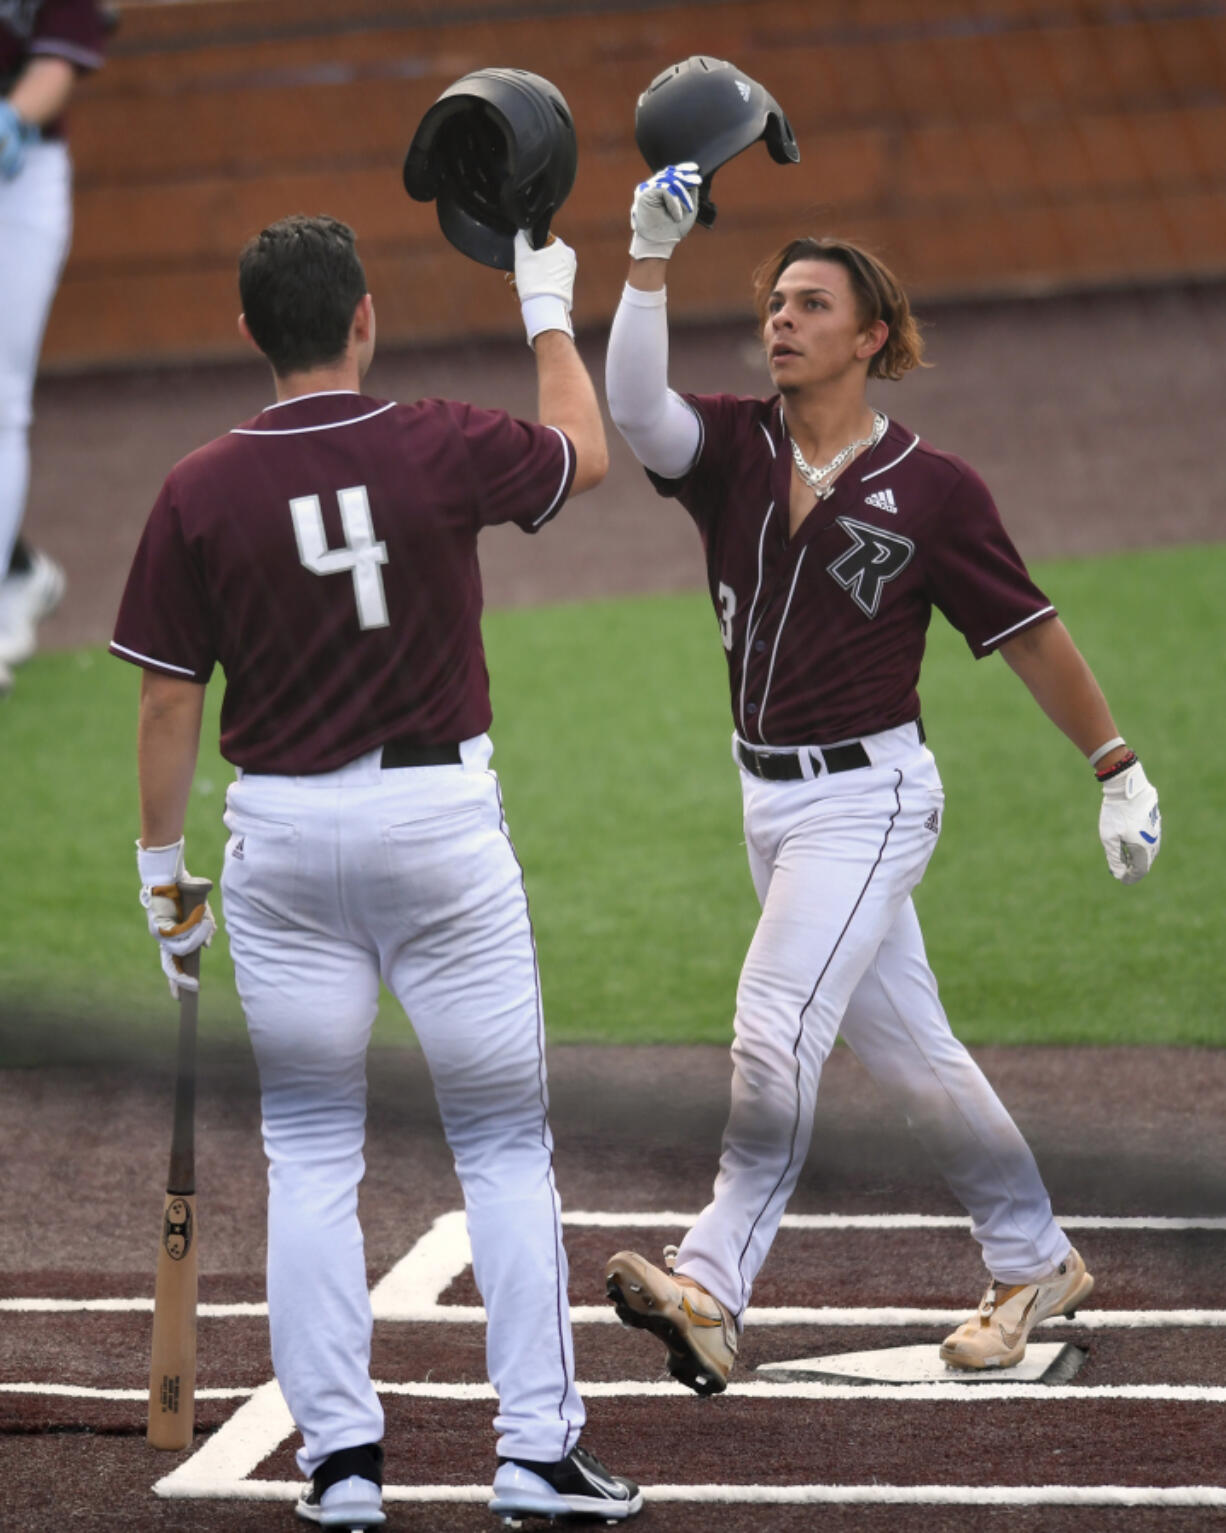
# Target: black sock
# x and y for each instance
(19, 563)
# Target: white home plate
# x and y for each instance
(1044, 1363)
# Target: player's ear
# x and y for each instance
(364, 319)
(873, 339)
(245, 331)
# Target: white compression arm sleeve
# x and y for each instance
(662, 430)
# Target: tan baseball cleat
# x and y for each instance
(698, 1331)
(996, 1335)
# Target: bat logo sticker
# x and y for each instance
(177, 1229)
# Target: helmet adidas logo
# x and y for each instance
(883, 500)
(744, 90)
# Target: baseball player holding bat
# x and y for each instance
(324, 554)
(45, 46)
(179, 920)
(831, 533)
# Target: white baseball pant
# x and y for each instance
(838, 949)
(330, 882)
(35, 232)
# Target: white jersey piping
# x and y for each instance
(775, 648)
(767, 435)
(325, 426)
(135, 654)
(894, 464)
(1025, 623)
(553, 504)
(73, 53)
(749, 622)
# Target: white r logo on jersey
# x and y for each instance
(874, 558)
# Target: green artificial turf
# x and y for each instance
(611, 731)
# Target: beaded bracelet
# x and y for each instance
(1122, 765)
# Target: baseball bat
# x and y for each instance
(172, 1373)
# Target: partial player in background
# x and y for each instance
(44, 48)
(324, 554)
(831, 533)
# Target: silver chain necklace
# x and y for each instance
(820, 480)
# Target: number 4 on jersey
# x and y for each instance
(361, 555)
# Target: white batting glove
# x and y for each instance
(15, 134)
(1130, 824)
(545, 282)
(663, 211)
(161, 871)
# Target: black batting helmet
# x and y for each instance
(707, 110)
(498, 152)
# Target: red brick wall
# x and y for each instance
(982, 146)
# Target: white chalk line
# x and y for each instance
(604, 1220)
(410, 1291)
(777, 1495)
(602, 1314)
(92, 1392)
(954, 1389)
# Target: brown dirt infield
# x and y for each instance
(1087, 417)
(636, 1129)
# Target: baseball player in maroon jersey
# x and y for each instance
(324, 554)
(831, 532)
(45, 45)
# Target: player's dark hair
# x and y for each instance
(300, 281)
(878, 291)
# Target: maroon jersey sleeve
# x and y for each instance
(725, 421)
(523, 471)
(976, 577)
(69, 29)
(163, 622)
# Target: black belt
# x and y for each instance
(787, 766)
(403, 753)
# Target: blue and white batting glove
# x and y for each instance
(1130, 824)
(663, 211)
(545, 282)
(15, 134)
(161, 871)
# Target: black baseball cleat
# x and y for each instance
(577, 1486)
(346, 1491)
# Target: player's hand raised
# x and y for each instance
(1130, 824)
(663, 211)
(545, 282)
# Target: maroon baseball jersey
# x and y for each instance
(325, 555)
(64, 29)
(825, 631)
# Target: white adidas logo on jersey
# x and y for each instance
(883, 500)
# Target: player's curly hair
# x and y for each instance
(878, 293)
(300, 281)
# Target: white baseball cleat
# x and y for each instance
(698, 1331)
(6, 680)
(577, 1486)
(351, 1503)
(995, 1336)
(25, 600)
